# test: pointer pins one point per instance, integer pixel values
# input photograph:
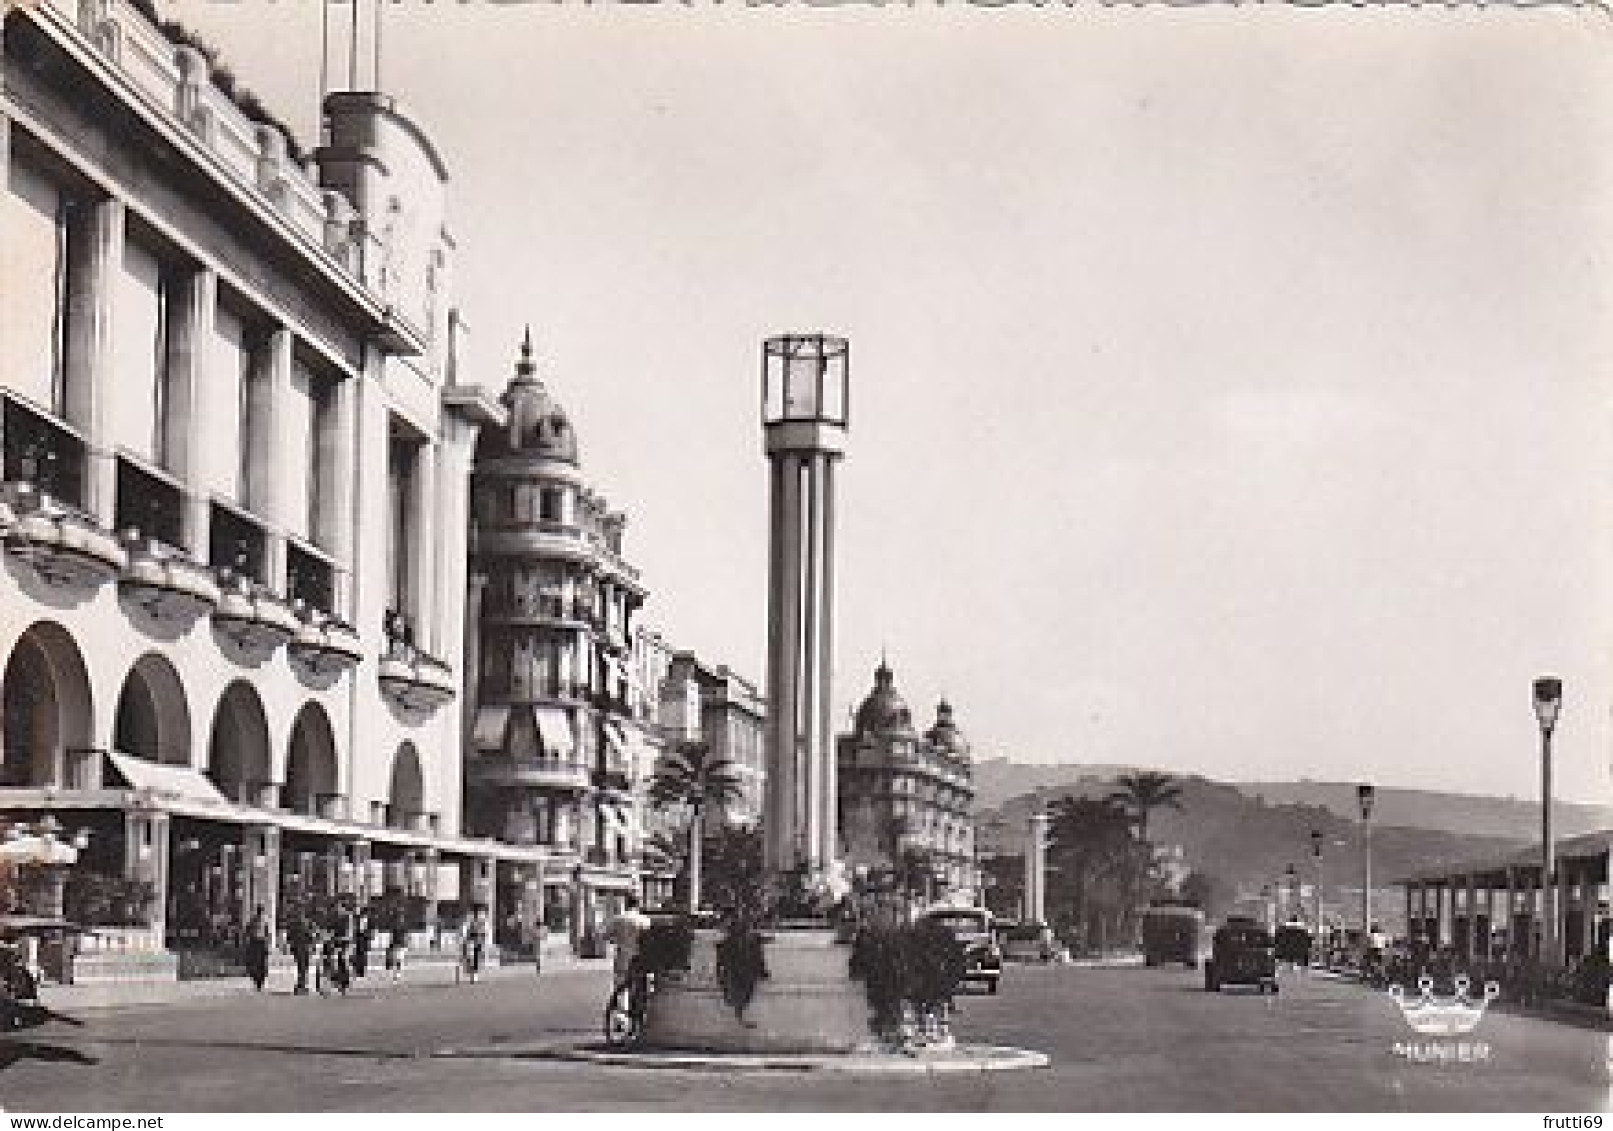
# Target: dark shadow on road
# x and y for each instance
(12, 1050)
(257, 1046)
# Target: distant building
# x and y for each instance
(906, 798)
(558, 742)
(716, 706)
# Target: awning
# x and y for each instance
(554, 727)
(490, 727)
(179, 783)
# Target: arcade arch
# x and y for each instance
(45, 703)
(238, 750)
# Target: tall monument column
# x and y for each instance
(804, 395)
(1036, 869)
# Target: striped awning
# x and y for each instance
(490, 727)
(554, 728)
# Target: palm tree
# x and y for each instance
(690, 775)
(1142, 792)
(1095, 862)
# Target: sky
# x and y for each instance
(1228, 389)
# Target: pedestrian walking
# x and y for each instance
(300, 939)
(255, 949)
(397, 947)
(363, 936)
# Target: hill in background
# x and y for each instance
(1245, 839)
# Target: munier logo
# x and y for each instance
(1455, 1016)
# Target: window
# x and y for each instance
(33, 303)
(140, 353)
(551, 504)
(403, 459)
(226, 457)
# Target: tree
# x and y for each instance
(690, 776)
(1143, 792)
(1096, 866)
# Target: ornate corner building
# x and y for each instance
(562, 738)
(234, 465)
(905, 798)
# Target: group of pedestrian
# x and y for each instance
(341, 945)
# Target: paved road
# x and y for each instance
(1120, 1039)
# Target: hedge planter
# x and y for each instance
(802, 997)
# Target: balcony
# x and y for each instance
(167, 584)
(409, 677)
(324, 644)
(536, 773)
(252, 616)
(41, 454)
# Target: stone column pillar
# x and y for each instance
(1036, 869)
(811, 782)
(1471, 901)
(362, 854)
(95, 262)
(783, 777)
(190, 341)
(339, 492)
(1411, 920)
(268, 397)
(145, 858)
(829, 782)
(261, 848)
(432, 858)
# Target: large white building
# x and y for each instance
(235, 470)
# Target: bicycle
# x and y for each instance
(333, 971)
(624, 1012)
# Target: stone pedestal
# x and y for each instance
(808, 1003)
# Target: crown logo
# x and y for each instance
(1444, 1017)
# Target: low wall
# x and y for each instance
(808, 1003)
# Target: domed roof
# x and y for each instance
(945, 735)
(538, 426)
(884, 713)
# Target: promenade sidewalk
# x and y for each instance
(421, 970)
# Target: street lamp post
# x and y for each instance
(1548, 701)
(1364, 796)
(1316, 853)
(1291, 886)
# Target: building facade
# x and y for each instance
(560, 749)
(233, 492)
(713, 704)
(906, 798)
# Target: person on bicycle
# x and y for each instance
(625, 932)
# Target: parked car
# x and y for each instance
(972, 926)
(1171, 934)
(1027, 942)
(1241, 954)
(1293, 944)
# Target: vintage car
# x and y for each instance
(1171, 934)
(1027, 942)
(1241, 954)
(972, 927)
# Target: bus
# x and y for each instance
(1171, 933)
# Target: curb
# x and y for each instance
(147, 992)
(963, 1058)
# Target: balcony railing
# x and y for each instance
(236, 543)
(149, 505)
(42, 453)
